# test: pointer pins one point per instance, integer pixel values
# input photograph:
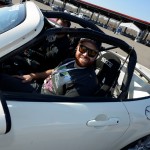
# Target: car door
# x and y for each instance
(61, 123)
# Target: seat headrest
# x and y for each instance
(108, 65)
(108, 61)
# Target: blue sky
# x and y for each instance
(139, 9)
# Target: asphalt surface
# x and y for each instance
(143, 52)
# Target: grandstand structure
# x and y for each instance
(107, 18)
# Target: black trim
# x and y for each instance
(82, 22)
(7, 113)
(94, 35)
(28, 97)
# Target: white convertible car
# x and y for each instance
(116, 118)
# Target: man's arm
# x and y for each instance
(32, 76)
(41, 75)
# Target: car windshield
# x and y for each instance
(10, 17)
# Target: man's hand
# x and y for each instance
(25, 78)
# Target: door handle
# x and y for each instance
(101, 123)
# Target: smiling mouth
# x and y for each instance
(84, 59)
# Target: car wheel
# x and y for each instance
(142, 144)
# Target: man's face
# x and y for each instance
(86, 54)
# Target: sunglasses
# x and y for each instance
(91, 53)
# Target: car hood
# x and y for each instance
(25, 31)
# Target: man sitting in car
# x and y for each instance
(73, 77)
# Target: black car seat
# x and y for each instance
(107, 70)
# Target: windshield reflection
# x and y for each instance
(10, 17)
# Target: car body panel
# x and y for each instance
(139, 115)
(139, 112)
(139, 86)
(59, 125)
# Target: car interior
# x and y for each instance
(107, 66)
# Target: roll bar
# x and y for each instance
(103, 38)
